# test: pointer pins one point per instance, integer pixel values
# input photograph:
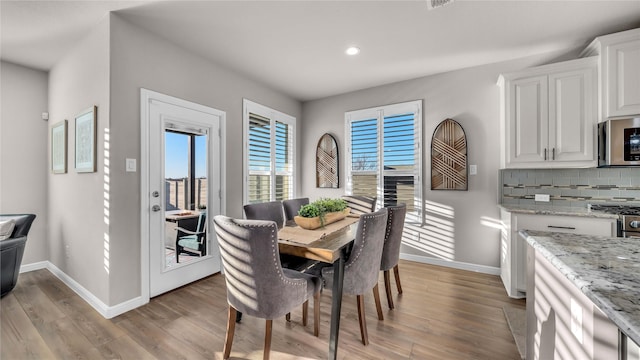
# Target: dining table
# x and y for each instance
(326, 245)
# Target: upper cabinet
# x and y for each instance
(619, 55)
(549, 115)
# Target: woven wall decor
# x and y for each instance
(327, 162)
(449, 157)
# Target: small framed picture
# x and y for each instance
(59, 148)
(86, 140)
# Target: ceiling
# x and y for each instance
(297, 47)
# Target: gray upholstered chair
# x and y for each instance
(257, 285)
(362, 267)
(360, 204)
(12, 249)
(291, 208)
(391, 250)
(271, 210)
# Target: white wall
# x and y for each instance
(469, 96)
(77, 220)
(141, 59)
(23, 152)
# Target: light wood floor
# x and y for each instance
(443, 314)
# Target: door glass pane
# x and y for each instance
(186, 196)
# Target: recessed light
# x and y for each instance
(352, 50)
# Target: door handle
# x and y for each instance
(155, 208)
(155, 194)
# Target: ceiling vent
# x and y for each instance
(433, 4)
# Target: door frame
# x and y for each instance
(146, 96)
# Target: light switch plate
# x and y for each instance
(130, 165)
(473, 169)
(542, 197)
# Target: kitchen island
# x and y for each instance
(581, 290)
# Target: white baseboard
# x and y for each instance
(103, 309)
(491, 270)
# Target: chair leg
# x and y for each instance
(376, 297)
(178, 251)
(387, 288)
(267, 339)
(316, 314)
(362, 320)
(396, 272)
(231, 328)
(288, 317)
(305, 311)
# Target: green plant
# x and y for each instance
(309, 211)
(321, 207)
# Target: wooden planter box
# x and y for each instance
(314, 222)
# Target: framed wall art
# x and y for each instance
(327, 163)
(449, 157)
(86, 140)
(59, 148)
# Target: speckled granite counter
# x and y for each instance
(556, 210)
(606, 270)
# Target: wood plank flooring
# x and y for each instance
(443, 314)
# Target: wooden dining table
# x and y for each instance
(328, 248)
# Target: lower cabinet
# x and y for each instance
(562, 323)
(513, 247)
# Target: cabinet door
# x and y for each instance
(572, 110)
(623, 78)
(528, 120)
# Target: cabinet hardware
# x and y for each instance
(561, 227)
(553, 154)
(545, 154)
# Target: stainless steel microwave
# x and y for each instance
(619, 142)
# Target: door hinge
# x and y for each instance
(219, 193)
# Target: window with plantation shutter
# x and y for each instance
(269, 154)
(384, 154)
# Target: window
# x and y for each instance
(269, 154)
(185, 168)
(384, 157)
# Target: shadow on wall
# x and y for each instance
(436, 235)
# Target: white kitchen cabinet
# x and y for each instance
(513, 247)
(619, 56)
(549, 114)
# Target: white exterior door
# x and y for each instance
(165, 119)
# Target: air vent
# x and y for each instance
(433, 4)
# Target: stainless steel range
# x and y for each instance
(628, 221)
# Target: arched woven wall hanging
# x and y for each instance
(449, 157)
(327, 162)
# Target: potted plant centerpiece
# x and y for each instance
(321, 212)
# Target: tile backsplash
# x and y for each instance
(570, 187)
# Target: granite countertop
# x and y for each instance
(605, 269)
(556, 210)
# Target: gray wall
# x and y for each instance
(469, 96)
(78, 228)
(23, 152)
(142, 60)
